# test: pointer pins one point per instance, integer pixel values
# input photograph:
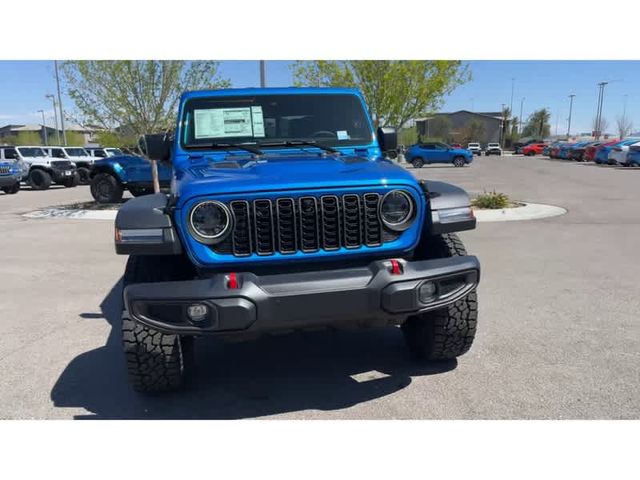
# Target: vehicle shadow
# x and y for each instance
(328, 370)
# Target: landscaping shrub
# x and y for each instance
(491, 200)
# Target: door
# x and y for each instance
(441, 153)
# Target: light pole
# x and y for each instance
(64, 134)
(502, 126)
(513, 81)
(521, 105)
(263, 74)
(44, 128)
(598, 132)
(570, 111)
(55, 115)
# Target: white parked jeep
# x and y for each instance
(475, 148)
(77, 155)
(43, 170)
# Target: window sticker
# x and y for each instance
(223, 122)
(343, 135)
(257, 121)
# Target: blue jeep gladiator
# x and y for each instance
(422, 154)
(284, 214)
(111, 176)
(11, 173)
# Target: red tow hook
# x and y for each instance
(232, 281)
(396, 267)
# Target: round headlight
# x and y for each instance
(396, 210)
(210, 221)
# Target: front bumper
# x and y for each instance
(60, 175)
(9, 180)
(367, 295)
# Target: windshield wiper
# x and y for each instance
(300, 143)
(247, 148)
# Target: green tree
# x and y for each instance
(395, 90)
(75, 139)
(538, 124)
(142, 95)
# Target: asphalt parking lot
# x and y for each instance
(558, 333)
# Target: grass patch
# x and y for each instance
(492, 201)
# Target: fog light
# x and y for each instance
(197, 312)
(427, 292)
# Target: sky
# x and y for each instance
(24, 84)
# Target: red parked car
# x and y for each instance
(533, 149)
(590, 151)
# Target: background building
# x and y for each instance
(463, 126)
(35, 134)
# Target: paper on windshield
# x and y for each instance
(229, 122)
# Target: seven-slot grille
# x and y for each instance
(4, 170)
(61, 164)
(304, 224)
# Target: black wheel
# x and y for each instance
(417, 162)
(105, 188)
(13, 189)
(156, 361)
(459, 162)
(39, 179)
(72, 181)
(449, 332)
(84, 176)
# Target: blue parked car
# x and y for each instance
(602, 153)
(111, 176)
(422, 154)
(284, 214)
(564, 149)
(633, 157)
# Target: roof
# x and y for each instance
(226, 92)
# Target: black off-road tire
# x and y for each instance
(417, 162)
(39, 179)
(156, 361)
(12, 190)
(459, 162)
(446, 333)
(105, 188)
(84, 176)
(71, 181)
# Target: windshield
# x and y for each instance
(494, 145)
(77, 152)
(31, 152)
(331, 119)
(474, 144)
(113, 151)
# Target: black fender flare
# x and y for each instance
(144, 227)
(449, 208)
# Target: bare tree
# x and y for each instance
(624, 125)
(604, 124)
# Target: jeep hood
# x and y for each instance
(273, 173)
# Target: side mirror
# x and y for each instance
(156, 146)
(387, 138)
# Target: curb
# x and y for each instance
(530, 211)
